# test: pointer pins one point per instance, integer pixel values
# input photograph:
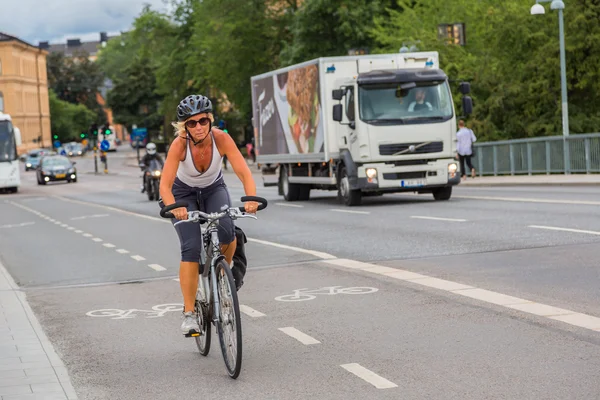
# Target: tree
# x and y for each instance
(76, 80)
(68, 120)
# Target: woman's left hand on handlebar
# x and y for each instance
(251, 207)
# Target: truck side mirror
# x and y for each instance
(337, 112)
(464, 87)
(467, 105)
(337, 94)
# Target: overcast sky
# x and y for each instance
(57, 20)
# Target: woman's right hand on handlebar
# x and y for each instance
(180, 213)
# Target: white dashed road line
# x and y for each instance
(251, 312)
(289, 205)
(88, 235)
(349, 211)
(138, 258)
(97, 240)
(529, 200)
(439, 219)
(554, 228)
(122, 251)
(157, 267)
(109, 245)
(299, 336)
(369, 376)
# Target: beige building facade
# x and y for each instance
(24, 90)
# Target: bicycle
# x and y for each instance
(216, 297)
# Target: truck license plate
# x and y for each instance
(412, 183)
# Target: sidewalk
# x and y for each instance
(29, 366)
(534, 180)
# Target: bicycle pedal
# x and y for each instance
(192, 334)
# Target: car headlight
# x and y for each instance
(28, 165)
(452, 168)
(371, 173)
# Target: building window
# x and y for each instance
(1, 102)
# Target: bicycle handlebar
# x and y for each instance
(165, 211)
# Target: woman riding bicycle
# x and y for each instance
(192, 173)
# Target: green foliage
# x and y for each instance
(214, 47)
(68, 120)
(76, 80)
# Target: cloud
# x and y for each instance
(57, 20)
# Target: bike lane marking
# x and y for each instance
(299, 336)
(368, 376)
(515, 303)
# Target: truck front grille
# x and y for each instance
(391, 149)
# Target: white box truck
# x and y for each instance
(361, 125)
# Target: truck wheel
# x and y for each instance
(345, 194)
(442, 193)
(291, 191)
(304, 193)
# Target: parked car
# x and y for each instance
(56, 168)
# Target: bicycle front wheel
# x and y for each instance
(229, 324)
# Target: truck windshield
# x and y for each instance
(8, 150)
(384, 103)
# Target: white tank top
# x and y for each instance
(189, 174)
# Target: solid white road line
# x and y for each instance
(529, 200)
(289, 205)
(369, 376)
(349, 211)
(299, 336)
(157, 267)
(318, 254)
(554, 228)
(138, 258)
(439, 219)
(567, 316)
(488, 296)
(109, 245)
(122, 251)
(251, 312)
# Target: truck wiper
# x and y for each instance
(385, 120)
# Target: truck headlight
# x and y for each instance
(371, 173)
(452, 168)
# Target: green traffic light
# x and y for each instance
(107, 132)
(55, 136)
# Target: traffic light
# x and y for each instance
(55, 137)
(82, 135)
(107, 131)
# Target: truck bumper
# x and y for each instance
(416, 178)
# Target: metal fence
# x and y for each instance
(541, 155)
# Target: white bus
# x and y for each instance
(10, 138)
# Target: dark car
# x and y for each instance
(56, 168)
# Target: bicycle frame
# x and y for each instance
(209, 261)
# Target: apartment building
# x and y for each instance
(24, 90)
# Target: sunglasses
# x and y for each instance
(192, 122)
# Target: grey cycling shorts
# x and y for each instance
(209, 199)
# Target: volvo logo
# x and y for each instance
(412, 148)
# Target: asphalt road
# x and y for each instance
(99, 244)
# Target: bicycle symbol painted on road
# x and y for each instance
(307, 294)
(157, 311)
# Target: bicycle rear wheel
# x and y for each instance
(229, 326)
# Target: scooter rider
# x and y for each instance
(150, 155)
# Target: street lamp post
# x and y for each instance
(537, 9)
